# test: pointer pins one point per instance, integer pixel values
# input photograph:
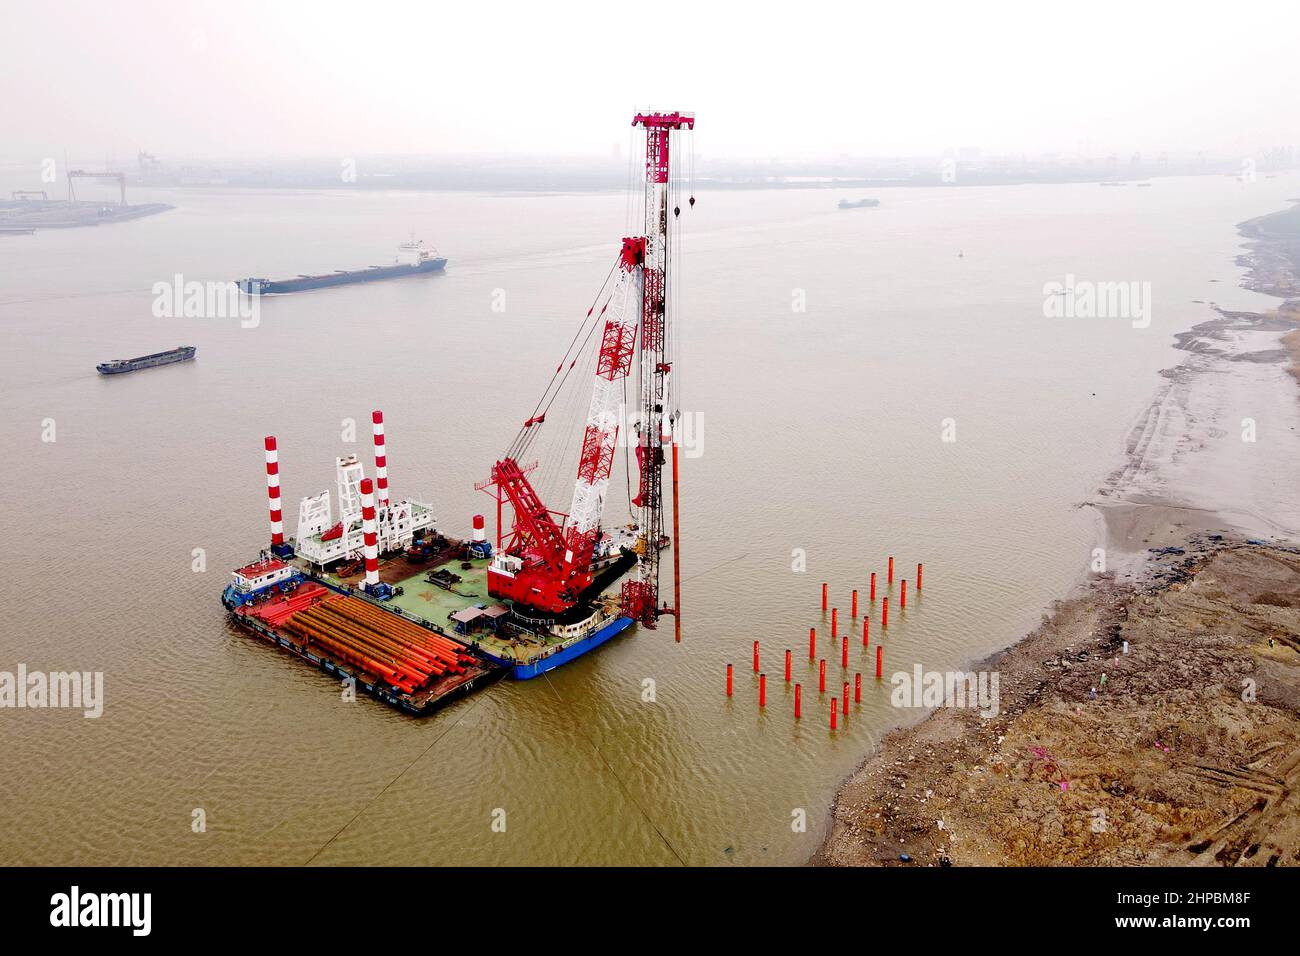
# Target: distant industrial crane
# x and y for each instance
(84, 174)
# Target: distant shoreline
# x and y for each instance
(1164, 763)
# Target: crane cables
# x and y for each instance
(524, 437)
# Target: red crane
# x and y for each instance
(545, 563)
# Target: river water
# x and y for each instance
(826, 356)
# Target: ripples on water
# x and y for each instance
(821, 433)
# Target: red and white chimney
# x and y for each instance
(480, 533)
(369, 535)
(381, 458)
(273, 491)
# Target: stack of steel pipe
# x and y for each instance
(275, 612)
(381, 643)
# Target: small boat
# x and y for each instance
(859, 203)
(116, 367)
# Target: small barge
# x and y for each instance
(116, 367)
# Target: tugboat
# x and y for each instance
(116, 367)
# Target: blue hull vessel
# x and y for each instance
(412, 259)
(562, 655)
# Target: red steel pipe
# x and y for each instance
(821, 676)
(812, 643)
(884, 614)
(873, 585)
(857, 688)
(823, 597)
(835, 622)
(762, 691)
(880, 661)
(918, 577)
(787, 665)
(855, 602)
(728, 680)
(891, 569)
(844, 652)
(903, 601)
(866, 631)
(798, 701)
(835, 702)
(756, 657)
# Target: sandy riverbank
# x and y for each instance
(1154, 718)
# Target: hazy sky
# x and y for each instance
(233, 78)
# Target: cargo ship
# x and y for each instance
(116, 367)
(368, 587)
(859, 203)
(413, 258)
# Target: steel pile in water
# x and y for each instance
(380, 643)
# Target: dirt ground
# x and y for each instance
(1189, 753)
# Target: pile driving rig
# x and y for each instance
(544, 565)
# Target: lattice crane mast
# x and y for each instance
(545, 561)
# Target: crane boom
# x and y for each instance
(655, 417)
(546, 562)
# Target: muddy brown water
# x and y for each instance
(819, 445)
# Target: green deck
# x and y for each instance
(434, 604)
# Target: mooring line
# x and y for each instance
(403, 773)
(614, 774)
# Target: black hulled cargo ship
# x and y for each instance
(116, 367)
(413, 258)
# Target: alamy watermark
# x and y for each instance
(78, 690)
(179, 299)
(1085, 299)
(961, 689)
